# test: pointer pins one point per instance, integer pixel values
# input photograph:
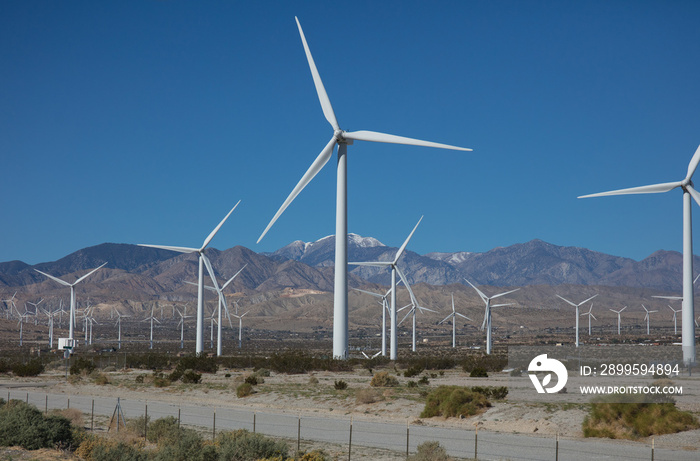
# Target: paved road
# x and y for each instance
(391, 436)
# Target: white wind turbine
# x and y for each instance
(199, 347)
(487, 313)
(414, 307)
(394, 270)
(342, 139)
(577, 312)
(49, 316)
(10, 303)
(36, 309)
(618, 317)
(646, 317)
(22, 318)
(454, 321)
(240, 327)
(152, 319)
(686, 185)
(385, 308)
(119, 327)
(72, 299)
(675, 320)
(590, 315)
(181, 324)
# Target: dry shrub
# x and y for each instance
(366, 396)
(99, 378)
(383, 379)
(450, 401)
(313, 379)
(73, 415)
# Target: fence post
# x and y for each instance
(213, 434)
(27, 401)
(350, 442)
(556, 449)
(299, 434)
(92, 417)
(476, 439)
(652, 449)
(145, 424)
(68, 403)
(406, 439)
(46, 405)
(178, 418)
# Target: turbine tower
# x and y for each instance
(342, 139)
(385, 308)
(240, 328)
(646, 317)
(577, 315)
(152, 318)
(675, 298)
(618, 317)
(590, 315)
(686, 185)
(71, 326)
(119, 328)
(454, 323)
(675, 320)
(183, 316)
(394, 270)
(199, 347)
(414, 306)
(487, 313)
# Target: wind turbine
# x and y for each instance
(22, 318)
(10, 303)
(577, 315)
(385, 308)
(199, 347)
(686, 185)
(646, 317)
(590, 315)
(675, 320)
(414, 306)
(36, 309)
(49, 316)
(454, 322)
(342, 139)
(487, 312)
(392, 313)
(183, 316)
(373, 356)
(152, 318)
(72, 299)
(119, 327)
(618, 317)
(240, 328)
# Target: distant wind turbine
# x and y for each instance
(686, 185)
(394, 270)
(454, 321)
(618, 317)
(199, 346)
(385, 308)
(646, 317)
(487, 313)
(342, 139)
(675, 320)
(577, 306)
(119, 327)
(10, 305)
(240, 328)
(72, 299)
(590, 315)
(152, 319)
(183, 316)
(414, 308)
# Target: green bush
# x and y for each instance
(188, 446)
(191, 377)
(411, 384)
(254, 380)
(138, 425)
(430, 451)
(489, 362)
(492, 392)
(295, 362)
(424, 380)
(450, 401)
(340, 385)
(5, 366)
(247, 446)
(479, 372)
(383, 379)
(634, 419)
(32, 368)
(25, 426)
(200, 363)
(82, 364)
(164, 430)
(412, 371)
(244, 390)
(117, 452)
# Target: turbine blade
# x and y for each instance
(673, 298)
(463, 316)
(171, 248)
(693, 163)
(56, 279)
(315, 167)
(483, 296)
(408, 287)
(216, 229)
(693, 193)
(486, 314)
(593, 317)
(406, 316)
(453, 302)
(234, 276)
(210, 270)
(403, 247)
(588, 300)
(366, 356)
(503, 294)
(501, 305)
(441, 321)
(392, 139)
(320, 89)
(368, 292)
(653, 189)
(567, 300)
(372, 263)
(89, 274)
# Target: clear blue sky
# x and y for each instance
(144, 122)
